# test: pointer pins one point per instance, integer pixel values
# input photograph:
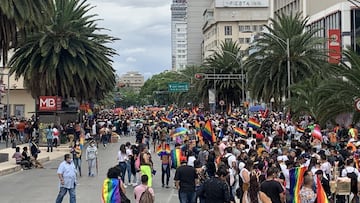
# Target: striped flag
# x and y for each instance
(316, 133)
(166, 120)
(296, 180)
(208, 132)
(254, 123)
(170, 113)
(240, 132)
(300, 130)
(320, 192)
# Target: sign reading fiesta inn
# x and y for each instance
(242, 3)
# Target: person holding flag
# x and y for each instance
(163, 150)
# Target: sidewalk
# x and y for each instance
(11, 167)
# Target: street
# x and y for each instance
(41, 185)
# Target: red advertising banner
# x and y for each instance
(48, 103)
(334, 46)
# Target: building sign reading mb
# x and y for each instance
(241, 3)
(49, 103)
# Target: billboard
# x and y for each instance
(334, 46)
(242, 3)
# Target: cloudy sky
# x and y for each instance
(145, 31)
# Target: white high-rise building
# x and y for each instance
(178, 34)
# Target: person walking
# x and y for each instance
(185, 177)
(76, 152)
(49, 138)
(123, 158)
(67, 177)
(91, 156)
(140, 189)
(216, 189)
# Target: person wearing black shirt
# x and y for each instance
(272, 189)
(185, 177)
(216, 189)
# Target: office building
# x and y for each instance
(178, 35)
(186, 25)
(338, 21)
(235, 20)
(133, 80)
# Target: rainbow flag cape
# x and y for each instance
(320, 192)
(240, 132)
(110, 191)
(254, 123)
(296, 180)
(208, 132)
(160, 151)
(166, 120)
(300, 130)
(175, 158)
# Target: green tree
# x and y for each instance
(342, 89)
(68, 56)
(224, 61)
(17, 18)
(267, 64)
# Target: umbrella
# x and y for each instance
(256, 108)
(180, 131)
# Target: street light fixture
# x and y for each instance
(238, 59)
(7, 106)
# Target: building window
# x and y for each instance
(247, 28)
(19, 110)
(228, 39)
(247, 40)
(228, 30)
(255, 28)
(241, 28)
(241, 40)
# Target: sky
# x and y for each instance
(144, 27)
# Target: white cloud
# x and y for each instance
(144, 27)
(130, 59)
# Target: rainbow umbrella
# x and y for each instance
(180, 131)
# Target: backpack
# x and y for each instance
(146, 197)
(353, 177)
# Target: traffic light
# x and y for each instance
(199, 76)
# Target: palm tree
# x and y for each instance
(341, 90)
(267, 65)
(68, 57)
(224, 61)
(17, 18)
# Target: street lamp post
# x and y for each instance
(7, 108)
(238, 59)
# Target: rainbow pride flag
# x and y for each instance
(170, 113)
(254, 123)
(166, 120)
(110, 191)
(197, 125)
(186, 112)
(300, 130)
(320, 192)
(175, 158)
(208, 132)
(240, 132)
(296, 180)
(163, 151)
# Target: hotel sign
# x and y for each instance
(241, 3)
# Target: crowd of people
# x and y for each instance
(257, 157)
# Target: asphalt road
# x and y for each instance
(42, 186)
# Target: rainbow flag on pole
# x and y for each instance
(240, 132)
(170, 113)
(208, 132)
(320, 192)
(254, 123)
(296, 180)
(175, 158)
